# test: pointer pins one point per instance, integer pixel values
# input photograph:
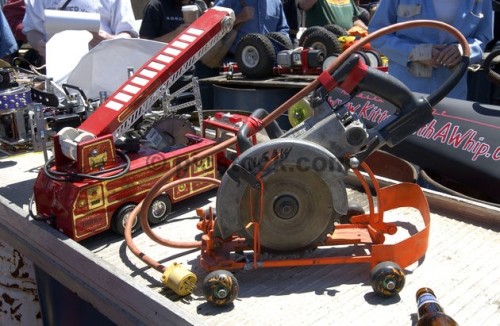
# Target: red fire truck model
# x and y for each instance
(91, 185)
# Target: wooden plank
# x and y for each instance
(19, 300)
(462, 208)
(121, 299)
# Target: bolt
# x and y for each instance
(390, 285)
(221, 293)
(354, 162)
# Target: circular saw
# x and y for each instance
(292, 190)
(170, 131)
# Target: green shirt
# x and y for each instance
(339, 12)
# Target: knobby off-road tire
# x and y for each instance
(255, 56)
(325, 41)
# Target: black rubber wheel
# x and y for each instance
(308, 32)
(120, 218)
(255, 56)
(364, 58)
(324, 41)
(337, 30)
(329, 60)
(159, 209)
(280, 41)
(220, 287)
(387, 279)
(374, 58)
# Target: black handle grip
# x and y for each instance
(377, 82)
(412, 113)
(273, 130)
(82, 93)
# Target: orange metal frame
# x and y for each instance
(367, 229)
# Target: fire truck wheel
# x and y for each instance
(280, 41)
(324, 41)
(308, 32)
(255, 56)
(220, 287)
(387, 279)
(159, 209)
(337, 30)
(120, 218)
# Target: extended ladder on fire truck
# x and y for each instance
(135, 97)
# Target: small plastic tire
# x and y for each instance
(308, 32)
(220, 287)
(337, 30)
(120, 218)
(159, 209)
(374, 58)
(387, 279)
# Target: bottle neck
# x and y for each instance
(427, 303)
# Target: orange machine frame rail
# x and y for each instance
(366, 229)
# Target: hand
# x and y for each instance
(434, 60)
(358, 22)
(450, 55)
(40, 46)
(99, 37)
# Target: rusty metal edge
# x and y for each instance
(121, 299)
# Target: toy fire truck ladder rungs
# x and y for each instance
(135, 97)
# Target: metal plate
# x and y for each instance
(14, 98)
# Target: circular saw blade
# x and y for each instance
(170, 131)
(297, 210)
(302, 195)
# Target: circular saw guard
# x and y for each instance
(293, 189)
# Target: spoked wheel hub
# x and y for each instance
(250, 56)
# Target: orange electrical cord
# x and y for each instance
(162, 184)
(147, 229)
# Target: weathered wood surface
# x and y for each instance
(19, 302)
(461, 265)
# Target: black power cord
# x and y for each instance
(71, 176)
(48, 219)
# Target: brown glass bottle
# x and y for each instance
(430, 312)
